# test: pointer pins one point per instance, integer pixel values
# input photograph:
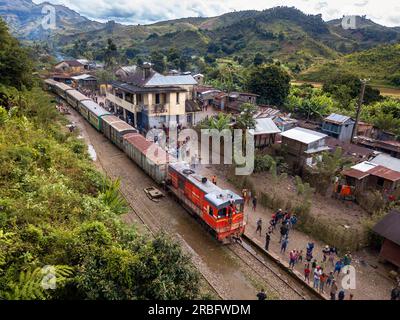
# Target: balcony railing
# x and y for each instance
(159, 108)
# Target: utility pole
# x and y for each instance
(360, 102)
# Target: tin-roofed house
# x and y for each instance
(264, 133)
(389, 229)
(85, 81)
(338, 126)
(368, 175)
(303, 146)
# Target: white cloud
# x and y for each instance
(146, 11)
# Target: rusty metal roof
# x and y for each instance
(389, 227)
(385, 173)
(365, 169)
(353, 173)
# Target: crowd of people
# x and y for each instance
(322, 274)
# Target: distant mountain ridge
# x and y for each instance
(25, 19)
(297, 39)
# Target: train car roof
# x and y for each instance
(63, 86)
(77, 95)
(152, 151)
(217, 196)
(94, 107)
(50, 81)
(118, 124)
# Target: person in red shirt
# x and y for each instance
(307, 272)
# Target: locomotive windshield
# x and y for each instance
(230, 209)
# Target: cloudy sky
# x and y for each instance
(385, 12)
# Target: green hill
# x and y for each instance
(381, 64)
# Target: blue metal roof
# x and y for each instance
(337, 118)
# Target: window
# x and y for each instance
(157, 98)
(177, 98)
(380, 182)
(210, 211)
(222, 213)
(239, 207)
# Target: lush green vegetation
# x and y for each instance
(380, 64)
(59, 216)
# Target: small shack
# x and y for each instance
(338, 126)
(264, 133)
(303, 146)
(389, 229)
(86, 81)
(368, 175)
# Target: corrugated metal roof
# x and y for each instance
(355, 173)
(387, 161)
(136, 89)
(129, 69)
(337, 118)
(94, 107)
(264, 126)
(364, 169)
(385, 173)
(83, 77)
(303, 135)
(161, 80)
(389, 227)
(364, 166)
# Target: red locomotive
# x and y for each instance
(221, 210)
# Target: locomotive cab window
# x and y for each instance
(222, 213)
(239, 207)
(210, 211)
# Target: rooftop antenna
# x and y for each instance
(360, 102)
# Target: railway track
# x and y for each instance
(145, 216)
(279, 278)
(152, 223)
(245, 251)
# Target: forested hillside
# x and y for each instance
(295, 38)
(60, 217)
(381, 64)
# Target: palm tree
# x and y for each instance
(221, 122)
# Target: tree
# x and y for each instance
(221, 122)
(16, 65)
(158, 61)
(328, 166)
(259, 59)
(110, 54)
(246, 120)
(346, 86)
(271, 82)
